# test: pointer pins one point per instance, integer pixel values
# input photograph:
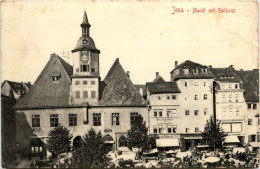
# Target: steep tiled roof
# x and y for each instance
(189, 65)
(228, 74)
(17, 87)
(162, 87)
(48, 93)
(191, 75)
(118, 90)
(250, 80)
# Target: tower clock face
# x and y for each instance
(84, 56)
(84, 42)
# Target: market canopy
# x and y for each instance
(152, 151)
(255, 144)
(167, 143)
(231, 139)
(211, 159)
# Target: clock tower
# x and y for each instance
(84, 89)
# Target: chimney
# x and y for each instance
(176, 64)
(157, 75)
(128, 73)
(53, 54)
(210, 66)
(29, 83)
(231, 66)
(241, 69)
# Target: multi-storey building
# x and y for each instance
(230, 103)
(164, 116)
(75, 97)
(250, 80)
(196, 102)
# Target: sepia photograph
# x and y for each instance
(130, 84)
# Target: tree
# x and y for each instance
(137, 135)
(92, 152)
(213, 134)
(8, 155)
(59, 140)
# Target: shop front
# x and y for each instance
(190, 141)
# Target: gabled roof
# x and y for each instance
(47, 93)
(189, 65)
(250, 80)
(17, 87)
(228, 74)
(118, 90)
(161, 86)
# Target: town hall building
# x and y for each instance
(77, 98)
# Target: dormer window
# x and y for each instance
(195, 70)
(55, 78)
(204, 70)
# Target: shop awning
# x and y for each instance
(202, 146)
(231, 139)
(255, 144)
(109, 142)
(192, 138)
(167, 143)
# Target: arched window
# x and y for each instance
(122, 141)
(108, 139)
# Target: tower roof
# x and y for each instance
(85, 22)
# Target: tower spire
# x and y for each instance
(85, 25)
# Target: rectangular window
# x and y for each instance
(187, 112)
(169, 129)
(224, 112)
(223, 98)
(85, 82)
(205, 84)
(187, 130)
(254, 106)
(249, 106)
(258, 121)
(84, 68)
(230, 98)
(230, 86)
(250, 121)
(196, 97)
(154, 130)
(236, 86)
(77, 70)
(169, 113)
(205, 96)
(133, 116)
(54, 120)
(76, 82)
(35, 120)
(174, 129)
(85, 94)
(160, 113)
(93, 82)
(72, 119)
(196, 112)
(97, 119)
(115, 119)
(93, 94)
(236, 127)
(205, 111)
(92, 70)
(173, 97)
(160, 129)
(197, 129)
(185, 84)
(155, 113)
(237, 112)
(186, 97)
(77, 94)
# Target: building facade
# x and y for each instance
(75, 97)
(250, 79)
(164, 114)
(230, 102)
(195, 82)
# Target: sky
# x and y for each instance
(145, 36)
